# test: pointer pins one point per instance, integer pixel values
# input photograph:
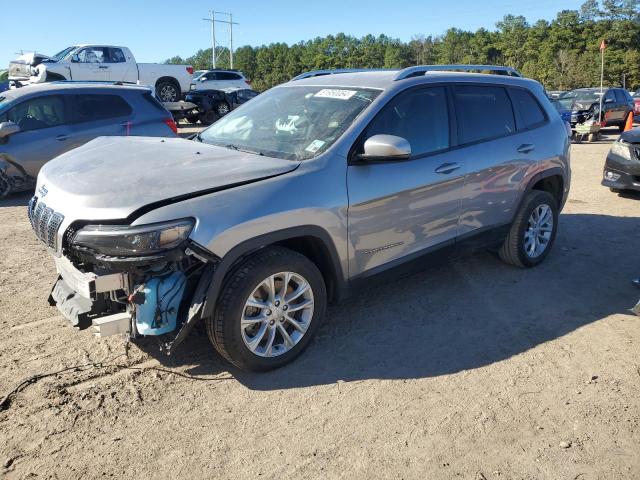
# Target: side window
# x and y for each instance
(93, 55)
(38, 113)
(483, 112)
(210, 76)
(116, 55)
(530, 110)
(609, 96)
(90, 108)
(420, 116)
(228, 76)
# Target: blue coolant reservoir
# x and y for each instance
(159, 312)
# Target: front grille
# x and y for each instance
(44, 221)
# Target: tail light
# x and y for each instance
(171, 124)
(190, 70)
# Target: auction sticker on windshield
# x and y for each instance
(335, 93)
(315, 146)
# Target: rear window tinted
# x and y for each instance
(530, 110)
(483, 112)
(90, 108)
(228, 76)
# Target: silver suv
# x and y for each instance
(293, 199)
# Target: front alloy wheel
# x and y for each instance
(277, 314)
(268, 310)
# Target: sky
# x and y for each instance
(159, 29)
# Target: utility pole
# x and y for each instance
(213, 37)
(229, 22)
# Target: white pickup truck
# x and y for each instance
(101, 63)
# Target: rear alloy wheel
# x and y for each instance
(532, 232)
(268, 310)
(168, 92)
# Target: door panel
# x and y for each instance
(44, 132)
(92, 65)
(397, 208)
(495, 155)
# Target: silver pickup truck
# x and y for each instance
(107, 63)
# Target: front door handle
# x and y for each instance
(526, 148)
(103, 67)
(447, 168)
(62, 138)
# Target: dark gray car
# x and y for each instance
(41, 122)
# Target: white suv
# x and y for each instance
(220, 80)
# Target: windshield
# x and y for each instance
(293, 123)
(60, 55)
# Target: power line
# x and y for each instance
(229, 22)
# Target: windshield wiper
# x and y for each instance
(238, 149)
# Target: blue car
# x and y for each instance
(40, 122)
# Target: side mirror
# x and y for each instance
(385, 147)
(8, 128)
(75, 58)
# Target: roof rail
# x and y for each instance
(320, 73)
(424, 69)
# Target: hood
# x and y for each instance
(32, 58)
(631, 136)
(113, 177)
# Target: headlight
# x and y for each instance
(126, 241)
(621, 149)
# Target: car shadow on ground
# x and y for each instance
(17, 199)
(455, 316)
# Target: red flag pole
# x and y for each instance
(603, 45)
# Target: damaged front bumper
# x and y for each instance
(161, 298)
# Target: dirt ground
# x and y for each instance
(471, 370)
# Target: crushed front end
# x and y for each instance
(143, 280)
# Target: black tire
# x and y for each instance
(192, 118)
(223, 327)
(512, 250)
(207, 118)
(222, 109)
(615, 190)
(6, 184)
(168, 91)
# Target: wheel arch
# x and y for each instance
(309, 240)
(170, 80)
(552, 180)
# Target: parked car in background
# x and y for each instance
(296, 198)
(555, 94)
(41, 122)
(221, 79)
(622, 167)
(104, 63)
(636, 103)
(213, 104)
(584, 103)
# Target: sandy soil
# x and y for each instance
(471, 370)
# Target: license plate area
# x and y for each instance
(88, 285)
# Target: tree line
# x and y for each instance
(562, 54)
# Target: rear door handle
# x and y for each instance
(103, 67)
(62, 138)
(526, 148)
(447, 168)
